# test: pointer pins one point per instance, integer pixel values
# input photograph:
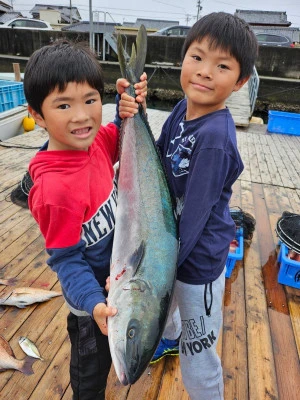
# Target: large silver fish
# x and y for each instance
(144, 255)
(24, 296)
(9, 361)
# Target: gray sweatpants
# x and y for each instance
(196, 311)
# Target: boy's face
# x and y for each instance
(72, 117)
(208, 77)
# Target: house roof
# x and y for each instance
(255, 17)
(98, 27)
(9, 15)
(151, 23)
(5, 7)
(64, 11)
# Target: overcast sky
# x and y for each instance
(184, 11)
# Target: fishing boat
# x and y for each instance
(11, 122)
(13, 108)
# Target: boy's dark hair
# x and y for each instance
(227, 32)
(55, 65)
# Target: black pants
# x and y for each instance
(90, 358)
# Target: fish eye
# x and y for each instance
(131, 333)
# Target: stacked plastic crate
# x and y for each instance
(11, 95)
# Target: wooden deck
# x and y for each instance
(239, 105)
(260, 343)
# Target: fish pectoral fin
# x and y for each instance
(136, 258)
(137, 285)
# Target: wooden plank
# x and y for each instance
(171, 384)
(234, 356)
(67, 395)
(291, 156)
(293, 299)
(273, 169)
(114, 389)
(262, 160)
(287, 199)
(18, 246)
(253, 160)
(261, 364)
(12, 233)
(243, 148)
(9, 225)
(285, 352)
(287, 173)
(56, 378)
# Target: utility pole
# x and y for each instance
(187, 18)
(91, 25)
(70, 12)
(199, 8)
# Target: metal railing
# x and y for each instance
(253, 86)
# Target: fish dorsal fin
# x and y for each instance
(136, 257)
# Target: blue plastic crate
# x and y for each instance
(11, 95)
(289, 272)
(284, 122)
(238, 255)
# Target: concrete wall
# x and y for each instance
(281, 62)
(272, 61)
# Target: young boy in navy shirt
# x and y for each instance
(199, 150)
(73, 198)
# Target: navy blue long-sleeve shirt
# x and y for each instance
(202, 163)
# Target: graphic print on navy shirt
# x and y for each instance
(180, 150)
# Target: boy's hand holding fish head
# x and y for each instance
(128, 107)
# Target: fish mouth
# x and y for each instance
(123, 379)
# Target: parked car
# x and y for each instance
(270, 39)
(176, 30)
(26, 23)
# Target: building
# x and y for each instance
(150, 24)
(64, 15)
(269, 22)
(7, 13)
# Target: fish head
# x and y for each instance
(130, 355)
(22, 339)
(132, 332)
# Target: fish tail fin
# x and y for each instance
(121, 56)
(8, 282)
(135, 67)
(26, 368)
